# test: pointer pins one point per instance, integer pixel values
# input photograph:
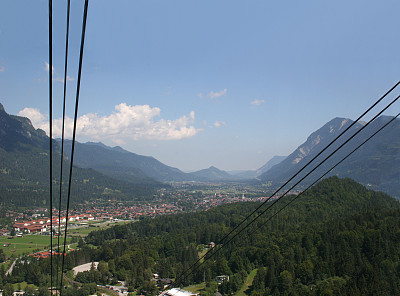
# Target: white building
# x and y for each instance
(177, 292)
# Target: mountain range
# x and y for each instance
(25, 164)
(23, 152)
(119, 163)
(375, 165)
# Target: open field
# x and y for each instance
(31, 243)
(242, 292)
(84, 231)
(22, 286)
(27, 244)
(247, 284)
(195, 288)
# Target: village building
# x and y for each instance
(178, 292)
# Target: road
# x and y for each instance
(84, 267)
(9, 271)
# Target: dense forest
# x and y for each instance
(24, 178)
(337, 239)
(24, 170)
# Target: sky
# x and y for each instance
(200, 83)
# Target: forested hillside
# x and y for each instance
(24, 181)
(337, 239)
(24, 170)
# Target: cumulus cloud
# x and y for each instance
(257, 102)
(126, 122)
(219, 124)
(2, 69)
(38, 119)
(217, 94)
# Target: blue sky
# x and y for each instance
(201, 83)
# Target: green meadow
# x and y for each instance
(27, 244)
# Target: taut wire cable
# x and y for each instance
(62, 137)
(74, 132)
(51, 135)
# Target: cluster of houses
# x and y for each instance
(43, 225)
(46, 254)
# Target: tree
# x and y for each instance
(2, 256)
(29, 291)
(8, 290)
(43, 291)
(286, 280)
(81, 243)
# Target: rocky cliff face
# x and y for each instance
(16, 130)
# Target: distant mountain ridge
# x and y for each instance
(132, 167)
(306, 151)
(212, 173)
(251, 174)
(270, 163)
(376, 165)
(24, 170)
(117, 162)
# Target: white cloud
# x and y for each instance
(126, 122)
(47, 68)
(214, 95)
(56, 77)
(219, 124)
(257, 102)
(2, 69)
(59, 79)
(38, 119)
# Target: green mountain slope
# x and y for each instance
(338, 239)
(124, 164)
(121, 164)
(24, 170)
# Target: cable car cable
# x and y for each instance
(62, 137)
(264, 211)
(74, 131)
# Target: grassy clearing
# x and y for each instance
(6, 264)
(84, 231)
(202, 253)
(21, 245)
(22, 286)
(195, 288)
(31, 243)
(27, 244)
(247, 284)
(81, 232)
